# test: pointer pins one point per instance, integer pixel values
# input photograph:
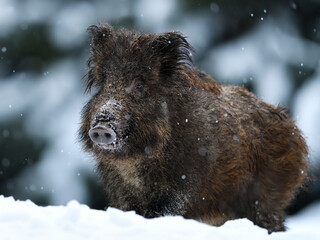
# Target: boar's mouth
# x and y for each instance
(106, 137)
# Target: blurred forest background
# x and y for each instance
(269, 46)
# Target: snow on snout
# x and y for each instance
(110, 108)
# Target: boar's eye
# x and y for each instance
(138, 86)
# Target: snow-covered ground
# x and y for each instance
(25, 220)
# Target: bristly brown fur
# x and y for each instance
(170, 49)
(189, 146)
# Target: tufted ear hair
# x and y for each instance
(99, 34)
(173, 51)
(102, 41)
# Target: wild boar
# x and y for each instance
(169, 140)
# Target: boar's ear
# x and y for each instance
(99, 36)
(173, 50)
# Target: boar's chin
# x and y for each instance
(109, 148)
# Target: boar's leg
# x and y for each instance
(272, 220)
(159, 206)
(165, 204)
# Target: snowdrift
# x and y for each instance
(25, 220)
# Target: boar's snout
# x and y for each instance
(102, 135)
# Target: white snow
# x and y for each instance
(25, 220)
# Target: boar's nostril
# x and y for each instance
(107, 135)
(95, 135)
(102, 135)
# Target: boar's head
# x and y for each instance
(133, 75)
